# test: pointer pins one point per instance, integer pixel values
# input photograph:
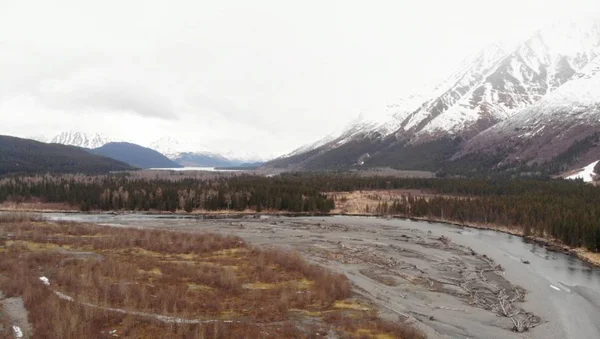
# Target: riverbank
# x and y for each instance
(365, 202)
(583, 254)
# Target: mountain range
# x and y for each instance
(182, 152)
(80, 139)
(178, 153)
(526, 105)
(28, 156)
(530, 107)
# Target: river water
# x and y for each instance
(562, 289)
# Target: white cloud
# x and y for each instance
(106, 90)
(247, 76)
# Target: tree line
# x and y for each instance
(574, 222)
(128, 192)
(565, 210)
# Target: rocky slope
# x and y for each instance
(567, 117)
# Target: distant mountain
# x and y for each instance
(427, 129)
(135, 155)
(190, 159)
(171, 147)
(186, 154)
(79, 139)
(28, 157)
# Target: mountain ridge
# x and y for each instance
(186, 154)
(491, 87)
(79, 139)
(541, 132)
(18, 155)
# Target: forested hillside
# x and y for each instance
(27, 156)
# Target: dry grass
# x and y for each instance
(37, 206)
(368, 325)
(590, 257)
(219, 285)
(365, 202)
(19, 217)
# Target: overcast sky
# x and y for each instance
(261, 77)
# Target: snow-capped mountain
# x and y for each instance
(490, 87)
(171, 147)
(497, 83)
(80, 139)
(550, 126)
(537, 67)
(309, 147)
(174, 148)
(188, 154)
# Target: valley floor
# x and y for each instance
(450, 282)
(357, 203)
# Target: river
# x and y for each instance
(562, 290)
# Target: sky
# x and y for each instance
(237, 77)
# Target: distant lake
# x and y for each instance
(205, 169)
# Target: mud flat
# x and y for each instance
(451, 282)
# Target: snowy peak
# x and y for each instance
(568, 115)
(174, 148)
(81, 139)
(310, 147)
(576, 38)
(495, 83)
(535, 68)
(171, 147)
(550, 81)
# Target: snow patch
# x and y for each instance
(17, 332)
(45, 280)
(587, 173)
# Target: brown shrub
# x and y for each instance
(190, 276)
